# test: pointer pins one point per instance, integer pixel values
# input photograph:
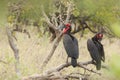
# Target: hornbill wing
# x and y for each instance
(93, 50)
(76, 46)
(71, 46)
(101, 51)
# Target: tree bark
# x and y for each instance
(54, 74)
(15, 50)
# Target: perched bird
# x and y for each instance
(96, 50)
(70, 45)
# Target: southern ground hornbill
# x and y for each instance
(70, 44)
(96, 50)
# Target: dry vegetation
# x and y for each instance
(34, 50)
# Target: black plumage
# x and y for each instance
(96, 50)
(71, 46)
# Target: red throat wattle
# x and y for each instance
(100, 36)
(66, 28)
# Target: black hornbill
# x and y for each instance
(96, 50)
(70, 44)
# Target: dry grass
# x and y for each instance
(34, 50)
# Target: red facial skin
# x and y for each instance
(99, 36)
(66, 28)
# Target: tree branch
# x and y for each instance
(62, 66)
(48, 20)
(58, 38)
(15, 50)
(83, 28)
(55, 72)
(86, 25)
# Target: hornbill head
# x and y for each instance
(98, 36)
(67, 28)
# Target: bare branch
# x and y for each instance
(86, 25)
(15, 50)
(54, 73)
(58, 38)
(48, 20)
(80, 64)
(69, 10)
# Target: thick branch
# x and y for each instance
(15, 50)
(80, 64)
(51, 74)
(57, 38)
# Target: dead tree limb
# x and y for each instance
(58, 38)
(15, 50)
(54, 73)
(81, 65)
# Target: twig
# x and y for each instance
(86, 25)
(68, 13)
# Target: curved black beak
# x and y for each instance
(61, 27)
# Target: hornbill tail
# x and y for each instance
(98, 66)
(73, 62)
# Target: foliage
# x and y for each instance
(102, 13)
(114, 66)
(116, 28)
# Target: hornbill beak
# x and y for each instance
(61, 27)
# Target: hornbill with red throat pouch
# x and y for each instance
(70, 44)
(96, 50)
